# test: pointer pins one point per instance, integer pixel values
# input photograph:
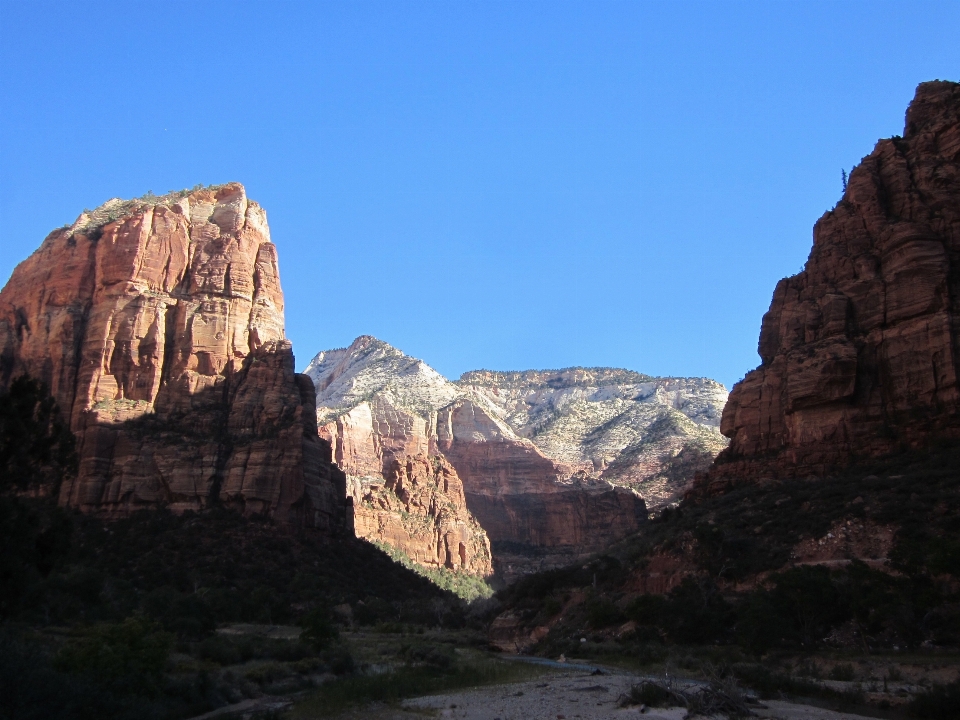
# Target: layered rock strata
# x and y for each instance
(860, 350)
(158, 325)
(550, 461)
(420, 510)
(647, 433)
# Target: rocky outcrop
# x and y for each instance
(377, 409)
(158, 325)
(551, 461)
(860, 350)
(421, 511)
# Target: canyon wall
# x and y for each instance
(377, 409)
(860, 350)
(158, 325)
(518, 494)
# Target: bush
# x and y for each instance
(652, 694)
(318, 629)
(698, 614)
(220, 650)
(131, 654)
(842, 671)
(603, 613)
(188, 616)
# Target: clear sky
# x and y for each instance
(504, 185)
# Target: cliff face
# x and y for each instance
(158, 325)
(518, 495)
(550, 461)
(860, 350)
(420, 509)
(377, 408)
(632, 430)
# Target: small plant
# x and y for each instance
(653, 694)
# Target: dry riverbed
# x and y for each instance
(569, 695)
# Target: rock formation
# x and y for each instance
(158, 325)
(421, 511)
(550, 461)
(377, 408)
(860, 350)
(650, 434)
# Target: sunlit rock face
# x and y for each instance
(377, 408)
(158, 325)
(860, 350)
(551, 462)
(420, 510)
(646, 433)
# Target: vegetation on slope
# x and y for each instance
(128, 618)
(742, 584)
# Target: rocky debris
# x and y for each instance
(869, 542)
(158, 325)
(551, 461)
(860, 351)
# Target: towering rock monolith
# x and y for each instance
(158, 325)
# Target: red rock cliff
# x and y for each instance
(158, 325)
(860, 350)
(421, 511)
(516, 492)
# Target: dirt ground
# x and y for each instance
(578, 695)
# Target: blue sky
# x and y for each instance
(505, 185)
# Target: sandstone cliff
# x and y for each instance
(420, 509)
(377, 408)
(158, 325)
(550, 461)
(860, 350)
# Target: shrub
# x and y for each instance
(842, 671)
(318, 628)
(603, 613)
(652, 694)
(131, 654)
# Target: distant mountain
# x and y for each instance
(554, 463)
(631, 429)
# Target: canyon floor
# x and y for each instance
(538, 689)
